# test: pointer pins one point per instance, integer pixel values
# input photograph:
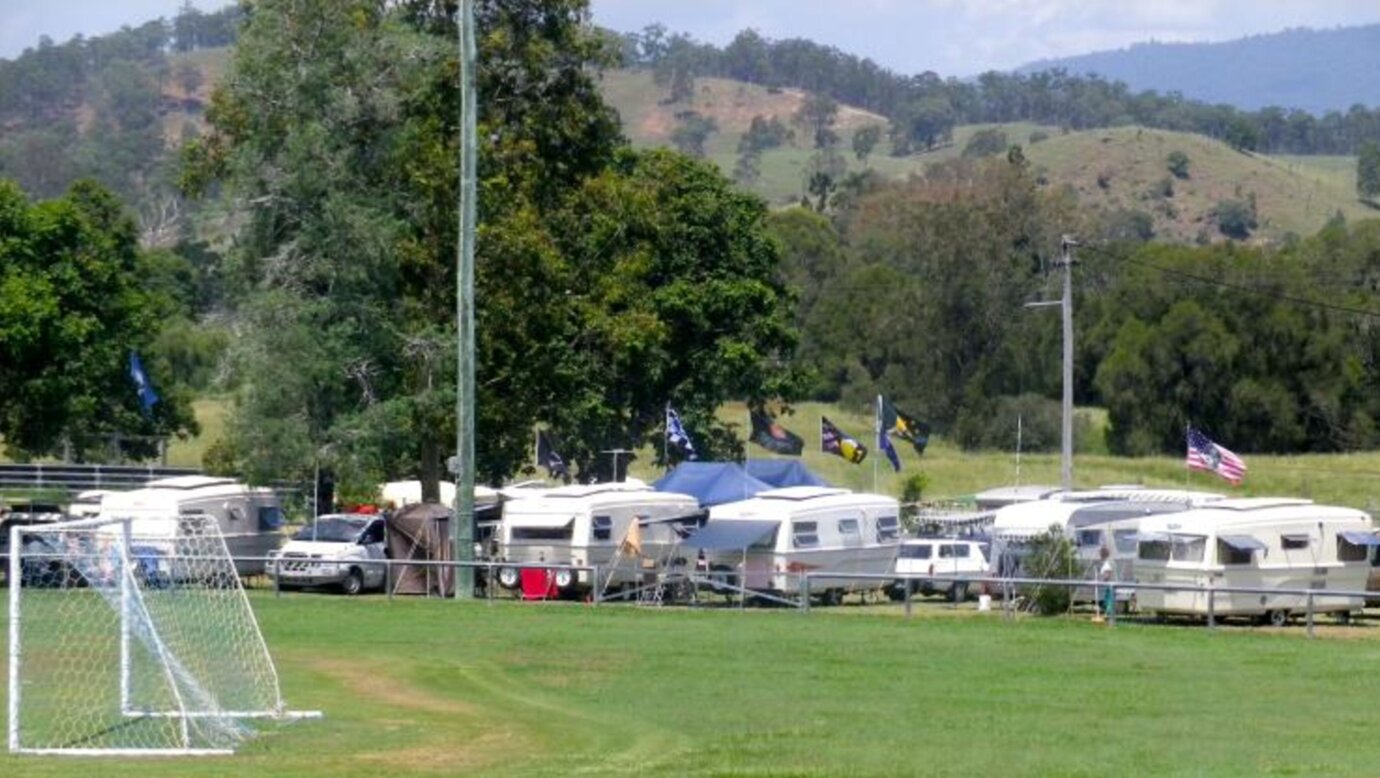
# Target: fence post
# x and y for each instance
(388, 578)
(277, 579)
(594, 587)
(489, 582)
(805, 592)
(1310, 613)
(1111, 604)
(908, 594)
(1212, 606)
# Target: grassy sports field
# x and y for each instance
(428, 687)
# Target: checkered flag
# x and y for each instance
(676, 436)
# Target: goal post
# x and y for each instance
(133, 636)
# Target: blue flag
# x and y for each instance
(884, 442)
(147, 396)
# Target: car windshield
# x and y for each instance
(332, 530)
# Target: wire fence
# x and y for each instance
(697, 587)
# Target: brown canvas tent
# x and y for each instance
(421, 532)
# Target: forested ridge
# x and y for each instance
(296, 248)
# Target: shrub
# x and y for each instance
(1235, 218)
(1051, 556)
(1177, 162)
(985, 143)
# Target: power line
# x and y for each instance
(1242, 287)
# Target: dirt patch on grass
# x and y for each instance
(371, 682)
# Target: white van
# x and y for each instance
(250, 518)
(939, 557)
(811, 529)
(334, 550)
(1266, 543)
(585, 525)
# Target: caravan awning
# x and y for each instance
(1358, 538)
(729, 535)
(1242, 542)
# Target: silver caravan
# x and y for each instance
(588, 525)
(810, 529)
(1261, 543)
(249, 518)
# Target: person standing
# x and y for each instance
(1105, 574)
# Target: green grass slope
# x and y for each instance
(1110, 169)
(415, 687)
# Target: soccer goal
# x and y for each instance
(133, 637)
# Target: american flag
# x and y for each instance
(1203, 454)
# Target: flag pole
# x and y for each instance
(877, 441)
(666, 438)
(1188, 471)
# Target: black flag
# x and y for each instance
(549, 459)
(774, 437)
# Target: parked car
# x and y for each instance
(333, 550)
(939, 557)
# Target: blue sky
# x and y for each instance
(950, 37)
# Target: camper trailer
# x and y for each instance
(1269, 543)
(588, 525)
(809, 529)
(249, 518)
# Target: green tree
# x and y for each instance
(865, 140)
(986, 143)
(1368, 171)
(344, 265)
(691, 132)
(72, 308)
(817, 114)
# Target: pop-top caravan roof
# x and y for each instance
(404, 493)
(781, 473)
(712, 483)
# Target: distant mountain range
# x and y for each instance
(1315, 70)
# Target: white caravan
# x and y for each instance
(1265, 543)
(588, 525)
(811, 529)
(250, 518)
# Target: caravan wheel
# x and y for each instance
(1278, 618)
(564, 579)
(509, 577)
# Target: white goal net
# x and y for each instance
(132, 636)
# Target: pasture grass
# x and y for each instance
(414, 687)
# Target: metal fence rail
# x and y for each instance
(730, 585)
(72, 478)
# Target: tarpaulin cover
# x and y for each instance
(781, 473)
(712, 483)
(1243, 542)
(729, 535)
(421, 532)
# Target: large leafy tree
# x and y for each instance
(72, 308)
(336, 131)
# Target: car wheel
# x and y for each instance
(353, 583)
(509, 577)
(1277, 618)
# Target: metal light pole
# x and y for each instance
(1066, 463)
(1066, 304)
(464, 312)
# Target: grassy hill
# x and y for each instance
(1111, 169)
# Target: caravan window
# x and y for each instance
(849, 532)
(1089, 538)
(563, 532)
(804, 534)
(1228, 554)
(1289, 542)
(1351, 552)
(270, 518)
(603, 527)
(1188, 548)
(888, 528)
(1155, 550)
(1125, 540)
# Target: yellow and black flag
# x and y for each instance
(768, 434)
(904, 426)
(836, 441)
